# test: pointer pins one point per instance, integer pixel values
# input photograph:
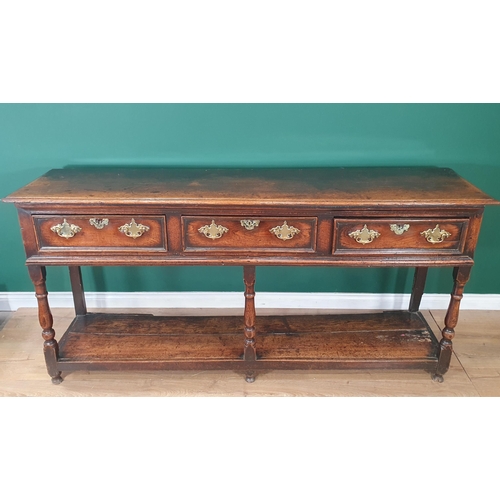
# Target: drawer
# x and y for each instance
(116, 232)
(239, 234)
(356, 236)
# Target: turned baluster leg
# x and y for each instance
(417, 288)
(460, 277)
(249, 352)
(50, 345)
(75, 275)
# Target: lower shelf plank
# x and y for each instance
(391, 338)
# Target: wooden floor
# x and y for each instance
(474, 370)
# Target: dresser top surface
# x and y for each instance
(324, 186)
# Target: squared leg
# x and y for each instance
(418, 288)
(75, 275)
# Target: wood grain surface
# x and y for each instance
(240, 239)
(109, 237)
(383, 336)
(393, 186)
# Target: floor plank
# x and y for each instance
(4, 317)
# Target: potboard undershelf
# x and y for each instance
(373, 339)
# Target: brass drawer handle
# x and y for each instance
(66, 230)
(399, 229)
(250, 224)
(213, 231)
(133, 230)
(364, 235)
(285, 232)
(435, 235)
(99, 223)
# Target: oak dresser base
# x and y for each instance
(356, 217)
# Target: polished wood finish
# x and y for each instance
(259, 239)
(321, 208)
(109, 237)
(270, 187)
(409, 241)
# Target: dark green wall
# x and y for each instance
(37, 137)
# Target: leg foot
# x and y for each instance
(250, 377)
(437, 378)
(57, 379)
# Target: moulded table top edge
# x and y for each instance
(295, 187)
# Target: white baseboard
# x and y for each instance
(11, 301)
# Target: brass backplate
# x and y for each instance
(435, 235)
(66, 230)
(365, 235)
(249, 224)
(213, 231)
(133, 230)
(285, 232)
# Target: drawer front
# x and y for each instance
(116, 232)
(238, 234)
(399, 235)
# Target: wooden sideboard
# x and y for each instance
(351, 217)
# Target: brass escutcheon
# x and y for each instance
(435, 235)
(285, 232)
(213, 231)
(399, 228)
(66, 230)
(133, 230)
(249, 224)
(364, 235)
(99, 223)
